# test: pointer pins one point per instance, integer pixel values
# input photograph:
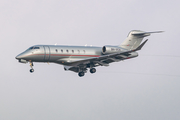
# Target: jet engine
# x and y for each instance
(110, 49)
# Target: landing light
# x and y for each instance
(22, 61)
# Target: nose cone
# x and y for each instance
(20, 56)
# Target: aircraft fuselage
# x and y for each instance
(59, 54)
(79, 58)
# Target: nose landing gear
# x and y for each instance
(31, 70)
(31, 65)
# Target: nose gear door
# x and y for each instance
(46, 53)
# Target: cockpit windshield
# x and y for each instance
(30, 48)
(33, 48)
(36, 48)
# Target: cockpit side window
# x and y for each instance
(36, 48)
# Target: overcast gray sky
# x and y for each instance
(143, 88)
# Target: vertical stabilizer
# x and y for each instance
(135, 38)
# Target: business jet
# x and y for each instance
(81, 58)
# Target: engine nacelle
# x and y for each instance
(110, 49)
(22, 61)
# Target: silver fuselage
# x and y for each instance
(62, 54)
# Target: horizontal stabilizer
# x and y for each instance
(139, 48)
(142, 33)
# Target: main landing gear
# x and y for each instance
(92, 70)
(82, 73)
(31, 65)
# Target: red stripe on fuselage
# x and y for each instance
(69, 55)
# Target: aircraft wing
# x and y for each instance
(99, 59)
(126, 53)
(103, 60)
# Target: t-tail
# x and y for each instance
(135, 38)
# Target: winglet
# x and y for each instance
(139, 48)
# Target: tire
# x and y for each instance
(31, 70)
(81, 74)
(92, 70)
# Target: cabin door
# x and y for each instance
(46, 53)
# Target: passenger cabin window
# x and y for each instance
(84, 51)
(56, 50)
(62, 51)
(67, 51)
(72, 51)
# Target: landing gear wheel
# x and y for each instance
(31, 70)
(81, 74)
(92, 70)
(31, 65)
